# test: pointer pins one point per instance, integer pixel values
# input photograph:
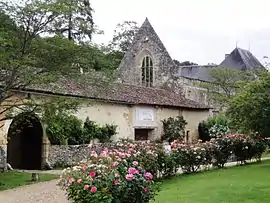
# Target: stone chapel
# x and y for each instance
(150, 88)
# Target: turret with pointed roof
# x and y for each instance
(146, 43)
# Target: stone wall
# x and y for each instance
(2, 157)
(146, 43)
(68, 155)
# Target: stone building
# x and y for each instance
(148, 63)
(137, 105)
(151, 88)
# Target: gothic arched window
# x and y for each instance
(147, 71)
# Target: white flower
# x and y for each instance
(246, 147)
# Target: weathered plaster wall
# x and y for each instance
(164, 113)
(125, 117)
(193, 119)
(108, 113)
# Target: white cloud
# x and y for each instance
(201, 31)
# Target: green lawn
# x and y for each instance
(14, 179)
(247, 184)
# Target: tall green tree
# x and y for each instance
(249, 110)
(225, 83)
(123, 35)
(28, 59)
(74, 20)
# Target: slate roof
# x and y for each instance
(241, 59)
(195, 72)
(238, 59)
(118, 93)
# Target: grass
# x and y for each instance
(14, 179)
(266, 154)
(241, 184)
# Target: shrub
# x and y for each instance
(174, 128)
(259, 147)
(90, 130)
(126, 172)
(64, 129)
(110, 177)
(166, 164)
(218, 130)
(106, 132)
(241, 146)
(190, 157)
(94, 131)
(221, 151)
(213, 127)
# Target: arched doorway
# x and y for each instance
(24, 149)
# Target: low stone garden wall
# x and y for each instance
(68, 155)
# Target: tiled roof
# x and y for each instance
(119, 93)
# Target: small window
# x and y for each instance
(141, 134)
(147, 71)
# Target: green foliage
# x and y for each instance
(225, 84)
(14, 179)
(26, 55)
(65, 129)
(249, 110)
(74, 20)
(94, 131)
(106, 132)
(214, 127)
(121, 173)
(219, 119)
(123, 36)
(184, 63)
(191, 157)
(166, 163)
(174, 128)
(90, 129)
(222, 150)
(244, 183)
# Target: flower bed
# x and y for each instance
(126, 173)
(111, 177)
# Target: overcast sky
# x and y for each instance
(202, 31)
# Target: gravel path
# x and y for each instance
(44, 192)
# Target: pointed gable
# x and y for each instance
(146, 43)
(240, 59)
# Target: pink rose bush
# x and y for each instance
(112, 176)
(190, 158)
(193, 157)
(126, 172)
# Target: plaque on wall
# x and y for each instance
(144, 114)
